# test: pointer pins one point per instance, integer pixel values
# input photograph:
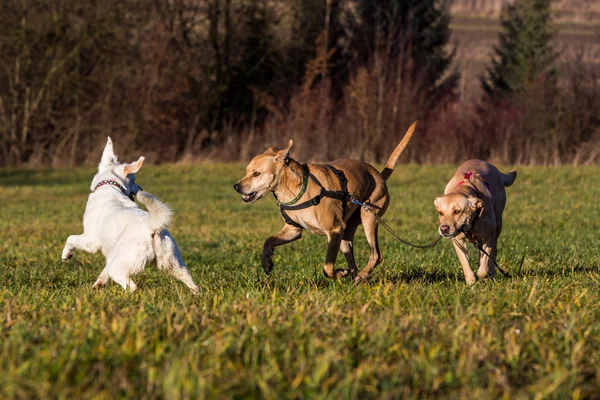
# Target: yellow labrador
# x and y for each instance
(471, 208)
(317, 197)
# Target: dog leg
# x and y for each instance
(183, 274)
(121, 276)
(487, 268)
(370, 226)
(126, 260)
(80, 242)
(287, 234)
(102, 279)
(169, 258)
(347, 247)
(334, 239)
(460, 245)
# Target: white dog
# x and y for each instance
(128, 236)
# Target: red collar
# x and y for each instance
(467, 178)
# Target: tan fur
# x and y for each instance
(274, 171)
(481, 199)
(389, 166)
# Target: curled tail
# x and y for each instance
(391, 162)
(159, 214)
(509, 178)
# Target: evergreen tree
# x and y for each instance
(524, 53)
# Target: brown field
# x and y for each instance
(581, 12)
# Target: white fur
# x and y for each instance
(128, 236)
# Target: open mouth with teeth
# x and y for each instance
(248, 198)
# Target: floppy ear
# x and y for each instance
(108, 156)
(284, 155)
(133, 167)
(475, 203)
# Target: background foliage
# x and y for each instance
(216, 79)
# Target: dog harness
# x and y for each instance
(291, 205)
(112, 182)
(467, 179)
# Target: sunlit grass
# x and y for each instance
(413, 330)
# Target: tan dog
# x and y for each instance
(471, 208)
(317, 197)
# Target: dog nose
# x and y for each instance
(236, 187)
(444, 229)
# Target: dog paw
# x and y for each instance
(267, 262)
(268, 266)
(98, 284)
(360, 279)
(342, 273)
(470, 280)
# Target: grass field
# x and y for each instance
(415, 329)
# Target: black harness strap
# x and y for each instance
(342, 195)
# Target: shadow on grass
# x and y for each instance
(561, 271)
(425, 276)
(437, 276)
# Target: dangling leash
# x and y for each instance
(368, 208)
(343, 195)
(469, 235)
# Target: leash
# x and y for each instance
(469, 236)
(479, 247)
(390, 230)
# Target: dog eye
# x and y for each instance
(256, 174)
(456, 212)
(440, 213)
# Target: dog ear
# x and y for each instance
(133, 167)
(436, 202)
(284, 155)
(108, 156)
(272, 150)
(475, 203)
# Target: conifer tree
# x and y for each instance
(524, 53)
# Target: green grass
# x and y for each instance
(415, 329)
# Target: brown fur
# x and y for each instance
(274, 171)
(481, 199)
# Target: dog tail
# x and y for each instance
(509, 178)
(391, 162)
(159, 214)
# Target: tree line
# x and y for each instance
(221, 79)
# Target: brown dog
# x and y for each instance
(471, 208)
(317, 197)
